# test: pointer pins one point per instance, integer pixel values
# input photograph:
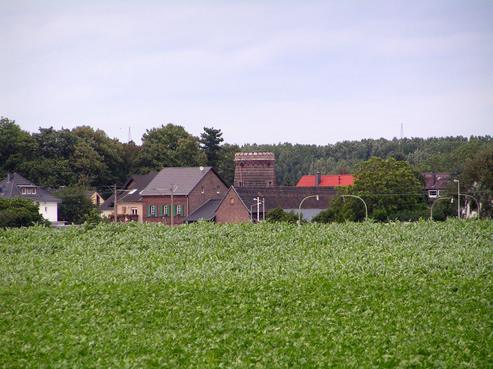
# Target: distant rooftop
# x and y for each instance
(335, 180)
(16, 185)
(183, 180)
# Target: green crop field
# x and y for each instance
(404, 295)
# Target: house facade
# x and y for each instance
(16, 185)
(128, 200)
(95, 198)
(175, 193)
(232, 209)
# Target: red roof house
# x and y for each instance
(335, 180)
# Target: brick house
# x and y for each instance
(175, 193)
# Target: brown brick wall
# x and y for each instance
(209, 185)
(165, 200)
(232, 210)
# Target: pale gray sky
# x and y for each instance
(262, 71)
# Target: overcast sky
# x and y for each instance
(313, 72)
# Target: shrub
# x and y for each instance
(19, 213)
(279, 215)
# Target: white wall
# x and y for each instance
(49, 211)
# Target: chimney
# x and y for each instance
(318, 178)
(8, 177)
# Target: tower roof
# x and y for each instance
(239, 156)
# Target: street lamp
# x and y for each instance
(458, 197)
(363, 201)
(258, 202)
(301, 203)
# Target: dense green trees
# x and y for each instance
(76, 207)
(444, 154)
(53, 158)
(169, 146)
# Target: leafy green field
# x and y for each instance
(263, 296)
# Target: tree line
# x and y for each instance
(89, 158)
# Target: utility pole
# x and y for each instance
(458, 197)
(116, 204)
(172, 210)
(173, 188)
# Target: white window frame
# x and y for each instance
(153, 211)
(179, 210)
(134, 211)
(433, 194)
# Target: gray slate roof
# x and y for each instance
(206, 212)
(12, 188)
(183, 179)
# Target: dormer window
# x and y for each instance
(28, 190)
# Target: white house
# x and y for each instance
(16, 185)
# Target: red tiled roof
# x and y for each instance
(327, 181)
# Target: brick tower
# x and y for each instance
(255, 169)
